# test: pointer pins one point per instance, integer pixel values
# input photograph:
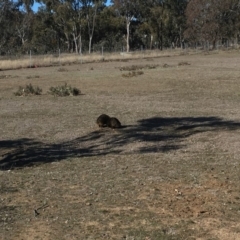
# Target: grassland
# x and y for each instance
(33, 61)
(172, 171)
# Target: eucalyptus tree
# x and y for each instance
(47, 35)
(212, 20)
(201, 20)
(5, 10)
(167, 20)
(91, 9)
(177, 21)
(158, 19)
(26, 4)
(8, 9)
(67, 15)
(109, 30)
(65, 20)
(230, 19)
(74, 17)
(23, 28)
(130, 10)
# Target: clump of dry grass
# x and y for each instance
(138, 67)
(5, 76)
(133, 74)
(183, 63)
(28, 90)
(62, 69)
(165, 65)
(35, 76)
(151, 66)
(131, 68)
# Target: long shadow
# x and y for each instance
(148, 135)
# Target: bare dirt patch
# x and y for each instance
(171, 172)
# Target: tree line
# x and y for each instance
(81, 25)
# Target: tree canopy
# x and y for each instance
(84, 25)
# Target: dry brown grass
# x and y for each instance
(171, 172)
(138, 67)
(66, 59)
(183, 63)
(132, 74)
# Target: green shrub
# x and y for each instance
(65, 90)
(28, 90)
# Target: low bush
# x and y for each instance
(132, 74)
(138, 67)
(28, 90)
(62, 69)
(183, 64)
(65, 90)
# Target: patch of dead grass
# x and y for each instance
(138, 67)
(183, 63)
(132, 74)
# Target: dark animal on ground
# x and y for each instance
(113, 123)
(102, 120)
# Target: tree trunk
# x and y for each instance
(128, 34)
(75, 43)
(80, 44)
(91, 29)
(90, 44)
(68, 42)
(151, 42)
(161, 46)
(214, 44)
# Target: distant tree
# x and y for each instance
(23, 27)
(74, 17)
(27, 4)
(47, 35)
(143, 35)
(211, 20)
(67, 16)
(167, 21)
(8, 41)
(130, 10)
(109, 29)
(91, 9)
(230, 19)
(64, 20)
(52, 22)
(201, 20)
(176, 21)
(158, 19)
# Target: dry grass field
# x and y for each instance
(171, 172)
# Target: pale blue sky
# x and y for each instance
(37, 5)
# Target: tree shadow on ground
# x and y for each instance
(148, 136)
